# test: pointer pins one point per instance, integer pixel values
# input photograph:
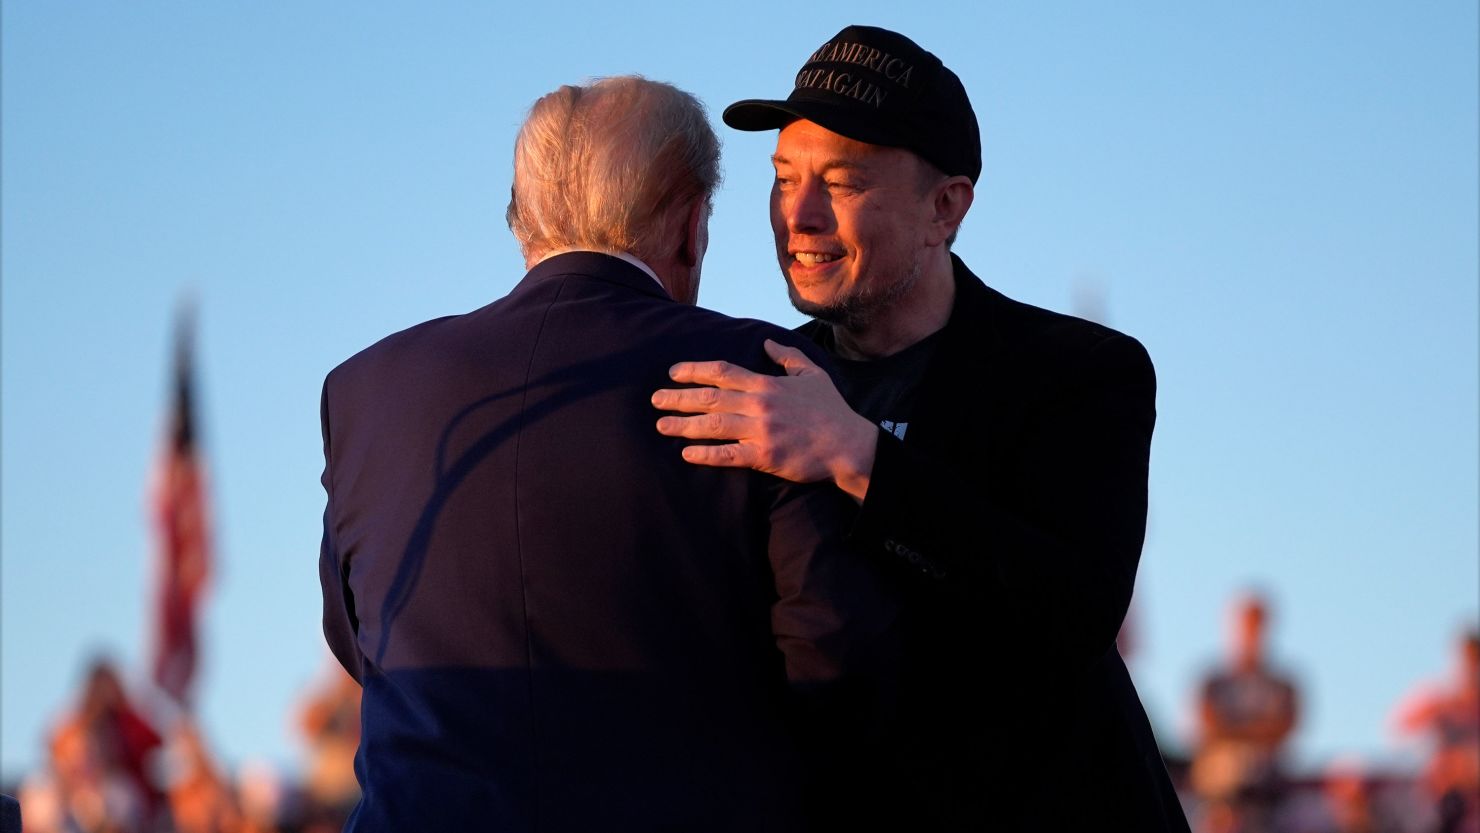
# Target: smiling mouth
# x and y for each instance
(813, 258)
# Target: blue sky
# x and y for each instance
(1280, 202)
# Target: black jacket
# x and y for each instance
(1013, 516)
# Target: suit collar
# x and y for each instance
(969, 354)
(973, 312)
(599, 266)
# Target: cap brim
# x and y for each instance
(760, 114)
(763, 114)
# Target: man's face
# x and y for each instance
(850, 221)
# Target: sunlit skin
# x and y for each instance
(861, 240)
(679, 269)
(860, 234)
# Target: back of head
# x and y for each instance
(605, 166)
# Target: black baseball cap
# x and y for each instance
(877, 86)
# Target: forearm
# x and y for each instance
(834, 619)
(832, 610)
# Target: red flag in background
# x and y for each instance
(180, 516)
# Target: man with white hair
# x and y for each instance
(557, 623)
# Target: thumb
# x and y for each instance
(793, 360)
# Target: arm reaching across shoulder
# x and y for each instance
(1044, 523)
(795, 426)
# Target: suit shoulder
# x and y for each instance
(1057, 337)
(741, 327)
(389, 351)
(748, 334)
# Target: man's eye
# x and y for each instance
(840, 185)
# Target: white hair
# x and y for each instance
(604, 166)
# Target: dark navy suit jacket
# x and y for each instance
(558, 623)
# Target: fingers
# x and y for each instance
(717, 426)
(711, 427)
(720, 374)
(702, 400)
(794, 360)
(732, 455)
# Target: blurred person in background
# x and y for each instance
(41, 801)
(259, 795)
(329, 721)
(1447, 715)
(102, 756)
(1347, 798)
(201, 800)
(1246, 712)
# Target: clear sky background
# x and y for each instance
(1278, 199)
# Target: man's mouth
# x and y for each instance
(814, 258)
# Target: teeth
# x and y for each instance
(814, 258)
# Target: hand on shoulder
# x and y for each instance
(796, 426)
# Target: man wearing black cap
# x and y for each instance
(998, 452)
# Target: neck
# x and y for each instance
(677, 279)
(532, 260)
(922, 312)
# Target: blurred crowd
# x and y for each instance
(111, 769)
(1236, 779)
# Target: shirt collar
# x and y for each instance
(619, 255)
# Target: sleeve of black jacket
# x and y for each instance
(835, 621)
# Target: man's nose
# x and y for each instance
(809, 209)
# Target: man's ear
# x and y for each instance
(695, 237)
(950, 199)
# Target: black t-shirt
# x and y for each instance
(884, 390)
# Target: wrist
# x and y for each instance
(854, 464)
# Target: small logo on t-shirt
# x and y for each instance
(895, 428)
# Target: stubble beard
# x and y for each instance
(858, 311)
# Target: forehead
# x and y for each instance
(807, 144)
